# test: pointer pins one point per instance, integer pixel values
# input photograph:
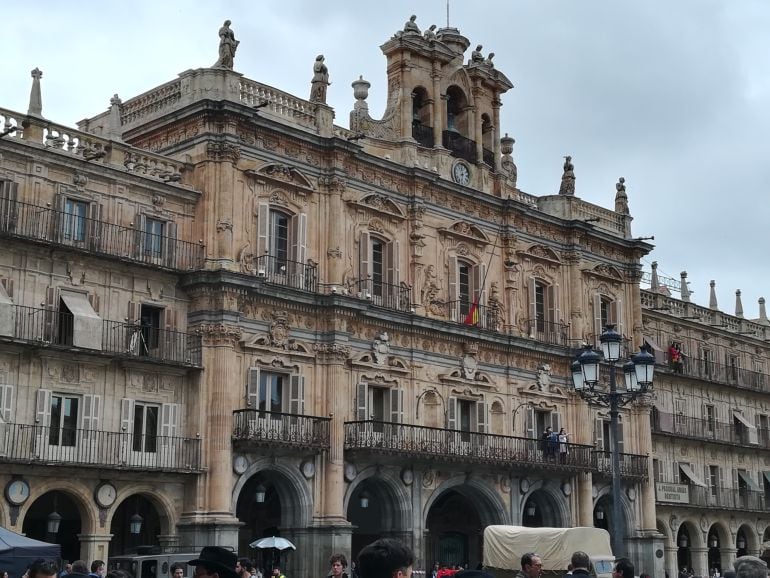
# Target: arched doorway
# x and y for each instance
(606, 518)
(374, 511)
(743, 541)
(714, 556)
(684, 543)
(41, 517)
(602, 515)
(136, 522)
(541, 510)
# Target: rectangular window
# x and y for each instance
(64, 420)
(146, 428)
(150, 328)
(271, 394)
(154, 232)
(713, 480)
(733, 365)
(378, 267)
(279, 240)
(540, 306)
(604, 312)
(464, 286)
(75, 214)
(707, 362)
(710, 420)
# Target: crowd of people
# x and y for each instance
(384, 558)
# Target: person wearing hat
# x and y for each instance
(215, 561)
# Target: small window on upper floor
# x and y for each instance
(282, 248)
(156, 241)
(466, 293)
(379, 273)
(74, 220)
(544, 320)
(607, 311)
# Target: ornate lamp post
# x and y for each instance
(638, 381)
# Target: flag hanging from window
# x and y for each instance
(473, 314)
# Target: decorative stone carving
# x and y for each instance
(568, 178)
(524, 485)
(320, 80)
(469, 362)
(381, 348)
(308, 469)
(407, 476)
(430, 287)
(279, 329)
(350, 472)
(225, 224)
(332, 351)
(227, 47)
(506, 162)
(218, 334)
(544, 377)
(221, 151)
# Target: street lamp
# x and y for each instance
(638, 373)
(52, 522)
(135, 524)
(259, 494)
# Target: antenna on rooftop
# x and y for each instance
(447, 13)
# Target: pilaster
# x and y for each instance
(94, 546)
(585, 499)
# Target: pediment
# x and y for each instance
(541, 253)
(367, 361)
(379, 204)
(456, 379)
(465, 231)
(267, 343)
(282, 172)
(608, 272)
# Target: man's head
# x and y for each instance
(41, 569)
(215, 561)
(177, 570)
(623, 568)
(79, 567)
(338, 563)
(750, 567)
(580, 560)
(68, 567)
(277, 571)
(385, 558)
(531, 564)
(243, 567)
(97, 567)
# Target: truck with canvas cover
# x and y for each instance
(505, 545)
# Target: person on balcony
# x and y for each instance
(675, 360)
(563, 446)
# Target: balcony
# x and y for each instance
(484, 317)
(489, 158)
(419, 442)
(547, 332)
(46, 225)
(422, 134)
(61, 330)
(707, 430)
(718, 497)
(459, 146)
(253, 428)
(388, 295)
(632, 466)
(43, 445)
(718, 373)
(288, 273)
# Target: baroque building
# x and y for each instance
(710, 429)
(228, 317)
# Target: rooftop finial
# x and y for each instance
(763, 312)
(114, 129)
(684, 288)
(738, 304)
(621, 198)
(713, 296)
(227, 47)
(568, 178)
(35, 98)
(654, 281)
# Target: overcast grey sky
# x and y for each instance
(674, 95)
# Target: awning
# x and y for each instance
(653, 343)
(690, 474)
(86, 323)
(767, 476)
(750, 482)
(752, 430)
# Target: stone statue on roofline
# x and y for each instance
(320, 80)
(476, 56)
(411, 26)
(227, 47)
(568, 178)
(430, 33)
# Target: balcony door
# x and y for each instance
(148, 433)
(464, 418)
(67, 427)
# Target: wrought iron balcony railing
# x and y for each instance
(547, 331)
(484, 316)
(45, 445)
(59, 329)
(463, 446)
(704, 429)
(267, 428)
(423, 134)
(631, 465)
(459, 146)
(489, 157)
(723, 498)
(47, 225)
(388, 295)
(288, 273)
(718, 373)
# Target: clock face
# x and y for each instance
(105, 495)
(17, 492)
(461, 174)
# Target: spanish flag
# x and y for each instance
(473, 315)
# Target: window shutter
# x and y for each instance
(296, 394)
(555, 421)
(720, 477)
(554, 311)
(263, 230)
(362, 398)
(736, 484)
(169, 419)
(140, 222)
(127, 415)
(50, 313)
(597, 319)
(453, 286)
(392, 264)
(531, 287)
(481, 419)
(599, 433)
(707, 475)
(396, 405)
(452, 413)
(169, 249)
(169, 319)
(252, 388)
(479, 291)
(364, 257)
(59, 221)
(617, 306)
(6, 403)
(395, 279)
(95, 229)
(299, 238)
(675, 470)
(43, 408)
(92, 409)
(530, 429)
(8, 206)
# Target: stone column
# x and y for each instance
(94, 546)
(576, 313)
(585, 499)
(438, 105)
(647, 486)
(496, 104)
(477, 125)
(334, 244)
(727, 557)
(700, 561)
(672, 561)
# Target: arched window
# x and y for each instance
(544, 323)
(456, 137)
(488, 140)
(282, 247)
(379, 272)
(422, 127)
